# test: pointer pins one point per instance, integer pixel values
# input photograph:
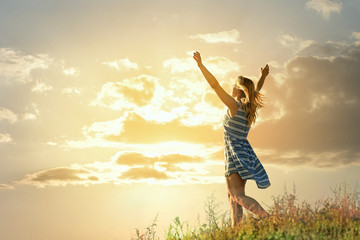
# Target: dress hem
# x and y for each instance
(247, 178)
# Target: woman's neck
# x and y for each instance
(242, 94)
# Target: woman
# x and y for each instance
(241, 162)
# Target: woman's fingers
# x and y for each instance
(265, 70)
(197, 56)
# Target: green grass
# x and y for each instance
(336, 217)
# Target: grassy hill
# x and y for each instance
(336, 217)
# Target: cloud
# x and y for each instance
(177, 65)
(127, 93)
(16, 67)
(100, 129)
(182, 93)
(71, 71)
(211, 98)
(41, 87)
(143, 172)
(5, 186)
(324, 7)
(29, 116)
(325, 160)
(221, 66)
(93, 178)
(155, 103)
(71, 91)
(76, 174)
(164, 168)
(328, 50)
(8, 115)
(121, 64)
(180, 158)
(5, 138)
(35, 112)
(169, 167)
(59, 176)
(135, 158)
(231, 36)
(218, 66)
(321, 100)
(22, 77)
(177, 114)
(293, 42)
(152, 132)
(356, 35)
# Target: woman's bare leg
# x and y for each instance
(236, 211)
(251, 204)
(236, 187)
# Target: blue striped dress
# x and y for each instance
(239, 155)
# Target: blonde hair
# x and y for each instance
(252, 100)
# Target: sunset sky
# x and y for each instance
(106, 120)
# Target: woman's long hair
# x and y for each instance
(252, 100)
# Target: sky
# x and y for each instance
(106, 120)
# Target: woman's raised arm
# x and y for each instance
(208, 76)
(264, 73)
(228, 100)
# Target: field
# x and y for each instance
(336, 217)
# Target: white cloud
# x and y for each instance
(275, 64)
(71, 71)
(16, 67)
(127, 93)
(219, 66)
(41, 87)
(101, 129)
(51, 143)
(180, 64)
(356, 35)
(122, 64)
(232, 36)
(324, 7)
(5, 138)
(294, 43)
(31, 116)
(6, 114)
(202, 114)
(70, 90)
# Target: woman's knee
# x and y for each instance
(235, 184)
(238, 198)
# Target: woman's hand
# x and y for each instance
(197, 57)
(265, 71)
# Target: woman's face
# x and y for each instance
(235, 92)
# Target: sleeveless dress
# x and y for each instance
(239, 155)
